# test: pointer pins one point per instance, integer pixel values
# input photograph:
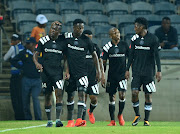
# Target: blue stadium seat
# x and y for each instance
(53, 17)
(164, 8)
(132, 1)
(124, 20)
(45, 7)
(141, 8)
(25, 18)
(92, 8)
(68, 19)
(82, 1)
(129, 32)
(175, 19)
(102, 31)
(95, 20)
(153, 28)
(109, 1)
(117, 8)
(69, 7)
(157, 1)
(19, 7)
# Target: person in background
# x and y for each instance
(31, 83)
(39, 31)
(167, 35)
(15, 80)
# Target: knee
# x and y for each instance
(122, 96)
(135, 96)
(93, 99)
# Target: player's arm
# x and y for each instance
(157, 59)
(96, 62)
(35, 57)
(130, 60)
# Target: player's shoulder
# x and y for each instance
(107, 46)
(135, 37)
(44, 39)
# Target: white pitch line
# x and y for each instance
(22, 128)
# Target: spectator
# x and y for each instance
(167, 35)
(39, 31)
(15, 80)
(31, 83)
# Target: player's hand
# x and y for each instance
(67, 76)
(39, 67)
(158, 76)
(127, 75)
(98, 76)
(103, 81)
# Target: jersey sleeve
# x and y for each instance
(156, 53)
(105, 54)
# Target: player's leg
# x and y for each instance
(149, 88)
(84, 111)
(135, 87)
(112, 109)
(59, 101)
(82, 85)
(94, 91)
(122, 91)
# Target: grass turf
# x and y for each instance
(100, 127)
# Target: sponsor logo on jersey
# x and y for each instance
(75, 47)
(52, 51)
(116, 55)
(142, 48)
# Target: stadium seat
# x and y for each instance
(164, 8)
(129, 32)
(53, 17)
(141, 8)
(19, 7)
(81, 1)
(157, 1)
(124, 20)
(109, 1)
(97, 19)
(45, 7)
(26, 30)
(92, 8)
(132, 1)
(25, 18)
(117, 8)
(153, 28)
(68, 19)
(175, 19)
(102, 31)
(68, 7)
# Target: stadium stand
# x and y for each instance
(128, 32)
(175, 19)
(98, 19)
(68, 7)
(153, 28)
(44, 7)
(141, 8)
(117, 8)
(92, 8)
(102, 31)
(164, 8)
(53, 17)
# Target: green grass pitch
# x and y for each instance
(100, 127)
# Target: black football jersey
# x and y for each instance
(117, 55)
(143, 54)
(90, 63)
(52, 51)
(76, 54)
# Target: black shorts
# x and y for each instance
(74, 84)
(146, 81)
(113, 85)
(93, 88)
(49, 83)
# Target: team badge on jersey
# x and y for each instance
(141, 41)
(116, 50)
(76, 43)
(54, 45)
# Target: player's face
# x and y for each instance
(78, 28)
(115, 34)
(138, 28)
(166, 24)
(55, 30)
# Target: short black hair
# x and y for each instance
(87, 32)
(76, 21)
(166, 18)
(143, 21)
